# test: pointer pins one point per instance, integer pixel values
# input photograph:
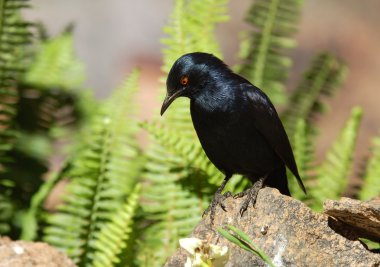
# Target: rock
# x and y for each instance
(22, 253)
(293, 236)
(362, 217)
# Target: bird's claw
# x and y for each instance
(251, 197)
(251, 194)
(218, 200)
(244, 207)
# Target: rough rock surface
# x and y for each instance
(28, 254)
(363, 217)
(295, 235)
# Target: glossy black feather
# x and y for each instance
(236, 123)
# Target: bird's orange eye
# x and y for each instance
(184, 80)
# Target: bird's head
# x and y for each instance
(189, 75)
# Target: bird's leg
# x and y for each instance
(218, 199)
(251, 194)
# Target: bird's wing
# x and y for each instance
(268, 123)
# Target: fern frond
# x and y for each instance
(49, 97)
(332, 174)
(181, 184)
(173, 212)
(55, 65)
(42, 113)
(304, 156)
(202, 25)
(170, 208)
(190, 33)
(371, 179)
(323, 78)
(114, 236)
(47, 111)
(191, 154)
(103, 173)
(194, 158)
(173, 207)
(265, 63)
(176, 43)
(32, 218)
(14, 36)
(7, 209)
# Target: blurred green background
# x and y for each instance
(134, 184)
(112, 37)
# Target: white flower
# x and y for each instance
(203, 254)
(190, 244)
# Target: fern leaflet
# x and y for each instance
(55, 65)
(332, 175)
(189, 33)
(114, 236)
(14, 36)
(371, 183)
(303, 153)
(173, 207)
(102, 174)
(265, 63)
(323, 78)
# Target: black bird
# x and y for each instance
(236, 123)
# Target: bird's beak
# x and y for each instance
(169, 99)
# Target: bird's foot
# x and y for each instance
(218, 200)
(251, 194)
(242, 194)
(251, 197)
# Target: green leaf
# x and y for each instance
(236, 241)
(243, 241)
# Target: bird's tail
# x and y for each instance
(277, 179)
